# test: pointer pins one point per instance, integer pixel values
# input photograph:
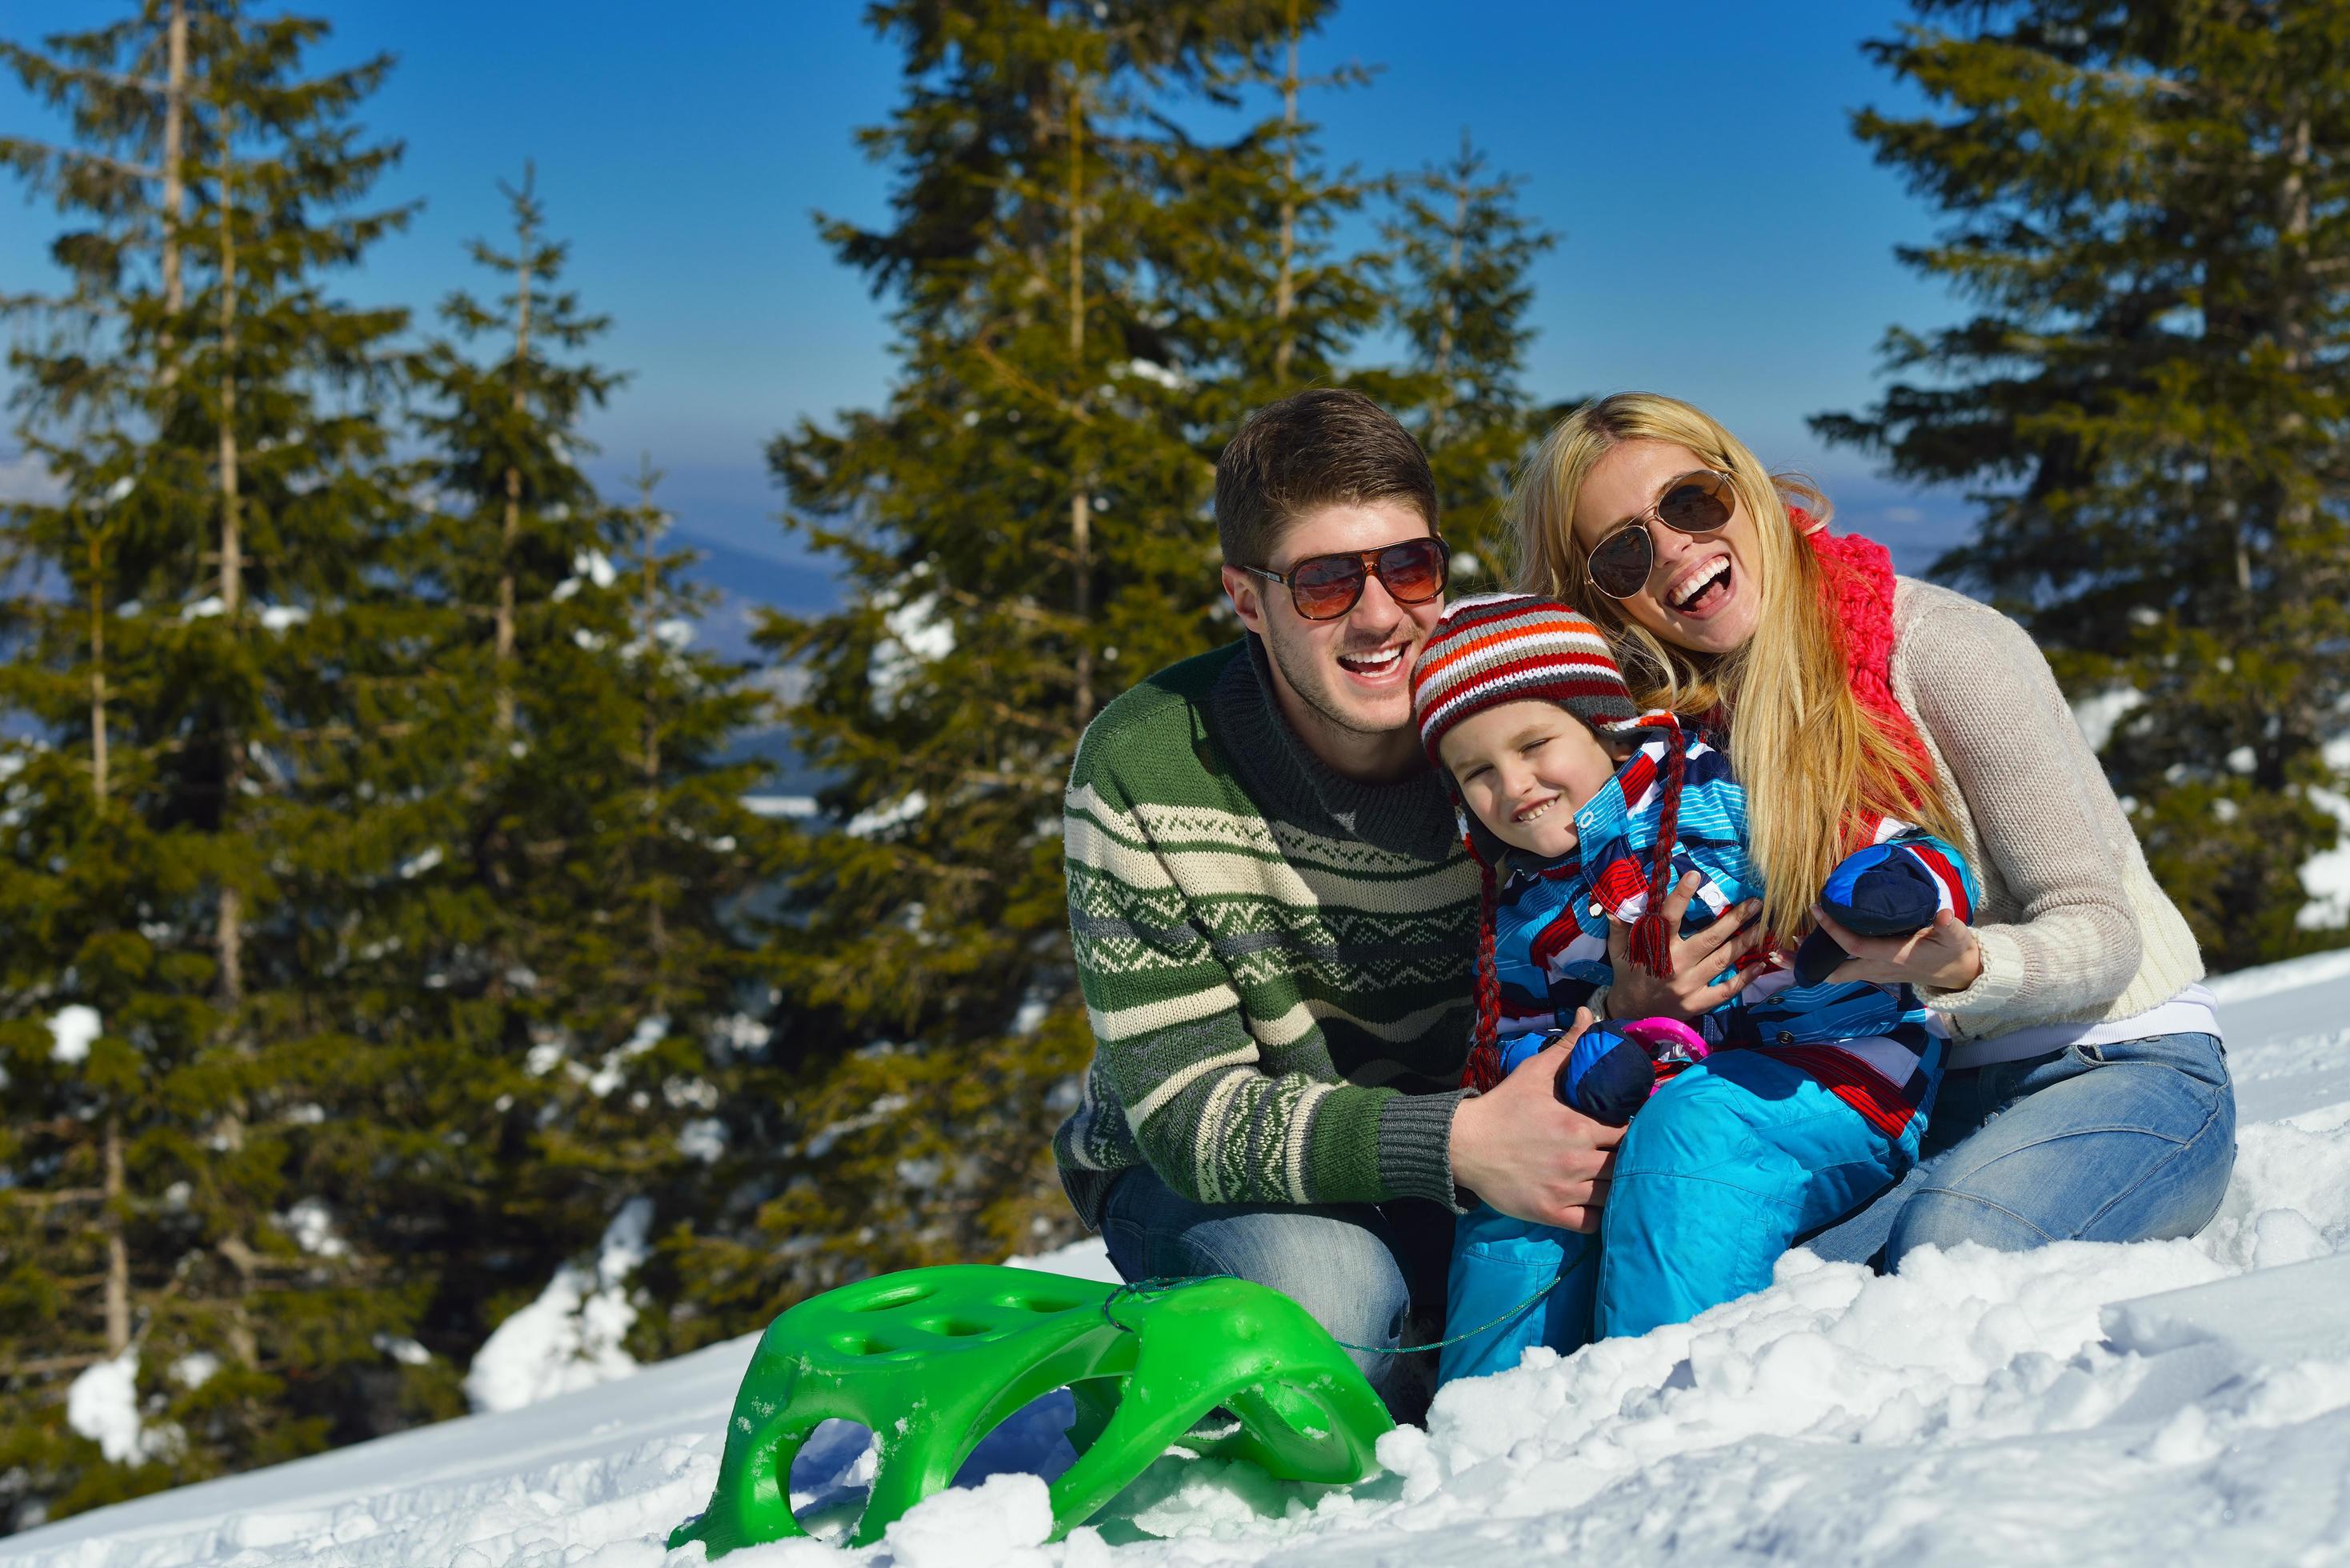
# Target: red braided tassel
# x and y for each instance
(1483, 1070)
(1652, 944)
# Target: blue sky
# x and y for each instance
(1725, 238)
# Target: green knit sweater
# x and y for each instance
(1276, 960)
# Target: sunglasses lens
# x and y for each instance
(1413, 571)
(1619, 568)
(1698, 504)
(1324, 588)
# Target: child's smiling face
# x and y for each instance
(1526, 768)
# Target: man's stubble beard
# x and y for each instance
(1315, 695)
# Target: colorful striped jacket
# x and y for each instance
(1878, 1047)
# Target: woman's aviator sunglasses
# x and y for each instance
(1696, 503)
(1324, 588)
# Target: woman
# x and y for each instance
(2076, 1019)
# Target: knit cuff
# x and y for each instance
(1999, 984)
(1416, 1146)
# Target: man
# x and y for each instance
(1273, 922)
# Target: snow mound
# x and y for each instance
(2169, 1401)
(569, 1338)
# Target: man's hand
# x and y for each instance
(1945, 956)
(1636, 993)
(1530, 1157)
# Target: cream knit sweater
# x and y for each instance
(2073, 925)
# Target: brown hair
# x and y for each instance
(1322, 447)
(1807, 753)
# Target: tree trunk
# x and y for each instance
(1439, 416)
(524, 232)
(231, 919)
(118, 1251)
(1284, 283)
(1081, 476)
(649, 757)
(175, 185)
(97, 761)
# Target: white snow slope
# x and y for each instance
(2169, 1401)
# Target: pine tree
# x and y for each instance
(1464, 250)
(1023, 532)
(2147, 208)
(208, 413)
(97, 1009)
(572, 865)
(1249, 272)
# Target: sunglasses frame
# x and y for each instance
(1368, 561)
(1652, 513)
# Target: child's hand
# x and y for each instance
(1530, 1157)
(1945, 956)
(1636, 994)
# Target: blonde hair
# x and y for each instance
(1808, 754)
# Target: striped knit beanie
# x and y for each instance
(1516, 648)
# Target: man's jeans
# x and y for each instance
(1364, 1271)
(2127, 1142)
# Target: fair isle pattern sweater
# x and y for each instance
(1275, 959)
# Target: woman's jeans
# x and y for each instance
(1359, 1270)
(2127, 1142)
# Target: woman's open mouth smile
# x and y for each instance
(1704, 589)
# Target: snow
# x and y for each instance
(918, 634)
(588, 567)
(569, 1338)
(311, 1223)
(73, 1028)
(880, 819)
(2098, 713)
(195, 1369)
(792, 807)
(102, 1405)
(612, 1071)
(2325, 876)
(1156, 374)
(704, 1138)
(2170, 1401)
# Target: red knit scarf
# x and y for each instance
(1857, 586)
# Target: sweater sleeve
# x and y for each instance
(1984, 693)
(1174, 1049)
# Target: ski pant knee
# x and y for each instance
(1513, 1286)
(1717, 1176)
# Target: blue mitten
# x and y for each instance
(1884, 890)
(1608, 1074)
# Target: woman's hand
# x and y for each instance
(1944, 956)
(1530, 1157)
(1636, 994)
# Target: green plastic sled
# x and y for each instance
(932, 1360)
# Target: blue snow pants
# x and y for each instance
(1721, 1169)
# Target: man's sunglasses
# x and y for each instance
(1324, 588)
(1696, 503)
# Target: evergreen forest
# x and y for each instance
(389, 903)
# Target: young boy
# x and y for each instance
(1781, 1110)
